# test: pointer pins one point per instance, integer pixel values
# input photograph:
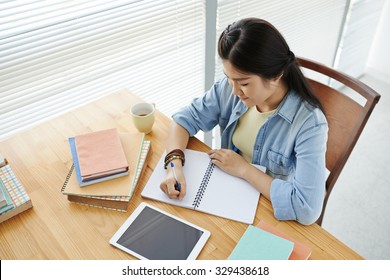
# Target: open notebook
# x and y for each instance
(209, 189)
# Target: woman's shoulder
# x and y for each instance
(314, 113)
(301, 111)
(223, 92)
(223, 87)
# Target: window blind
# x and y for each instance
(58, 55)
(358, 35)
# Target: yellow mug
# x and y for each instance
(143, 115)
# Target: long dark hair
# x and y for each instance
(255, 46)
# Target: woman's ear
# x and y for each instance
(278, 77)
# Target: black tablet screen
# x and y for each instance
(159, 237)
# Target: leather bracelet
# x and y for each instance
(172, 155)
(171, 159)
(175, 152)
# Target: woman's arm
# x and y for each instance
(177, 139)
(302, 198)
(202, 113)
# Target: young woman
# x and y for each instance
(268, 116)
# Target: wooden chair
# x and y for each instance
(346, 117)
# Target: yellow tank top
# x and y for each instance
(246, 131)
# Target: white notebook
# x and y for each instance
(209, 189)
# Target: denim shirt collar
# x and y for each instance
(289, 106)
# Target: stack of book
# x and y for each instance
(110, 190)
(13, 197)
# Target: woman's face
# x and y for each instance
(254, 90)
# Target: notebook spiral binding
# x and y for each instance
(67, 178)
(203, 185)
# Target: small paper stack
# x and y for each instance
(257, 244)
(300, 251)
(264, 242)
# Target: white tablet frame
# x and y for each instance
(195, 250)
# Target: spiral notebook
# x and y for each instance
(209, 189)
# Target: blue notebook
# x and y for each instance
(77, 168)
(257, 244)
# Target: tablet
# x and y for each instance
(152, 234)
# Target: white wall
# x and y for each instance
(379, 59)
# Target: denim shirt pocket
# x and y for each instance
(279, 166)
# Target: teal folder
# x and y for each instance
(257, 244)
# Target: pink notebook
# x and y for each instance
(300, 250)
(100, 154)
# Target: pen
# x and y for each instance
(177, 185)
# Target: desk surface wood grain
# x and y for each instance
(57, 229)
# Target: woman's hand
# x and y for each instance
(229, 161)
(168, 185)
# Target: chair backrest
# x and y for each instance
(346, 117)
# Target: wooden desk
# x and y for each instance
(57, 229)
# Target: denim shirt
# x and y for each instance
(291, 145)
